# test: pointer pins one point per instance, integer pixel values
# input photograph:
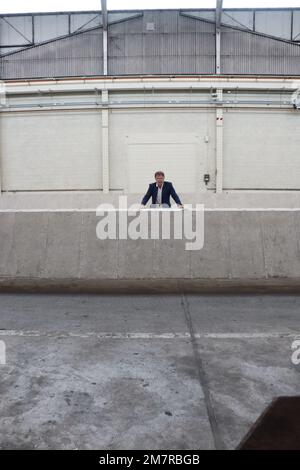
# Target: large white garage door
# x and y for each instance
(174, 155)
(53, 150)
(179, 142)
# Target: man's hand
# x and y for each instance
(180, 206)
(142, 206)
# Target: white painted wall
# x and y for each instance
(261, 149)
(146, 140)
(51, 150)
(62, 149)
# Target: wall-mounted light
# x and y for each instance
(206, 179)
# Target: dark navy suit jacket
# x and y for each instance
(167, 191)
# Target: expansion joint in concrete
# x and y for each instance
(218, 442)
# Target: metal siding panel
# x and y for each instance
(125, 47)
(116, 65)
(85, 21)
(132, 65)
(50, 27)
(151, 54)
(5, 50)
(133, 46)
(189, 25)
(172, 63)
(186, 44)
(246, 53)
(208, 15)
(77, 55)
(169, 44)
(205, 44)
(114, 17)
(7, 33)
(296, 26)
(134, 26)
(164, 50)
(177, 45)
(49, 68)
(241, 19)
(117, 29)
(187, 63)
(52, 151)
(151, 17)
(116, 47)
(205, 65)
(275, 23)
(168, 22)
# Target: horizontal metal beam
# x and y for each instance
(121, 84)
(16, 45)
(263, 104)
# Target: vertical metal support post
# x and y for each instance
(105, 39)
(2, 102)
(105, 143)
(219, 143)
(105, 67)
(219, 7)
(218, 52)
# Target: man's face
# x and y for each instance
(159, 179)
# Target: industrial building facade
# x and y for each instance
(256, 42)
(98, 101)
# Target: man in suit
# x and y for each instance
(160, 191)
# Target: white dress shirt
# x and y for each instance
(159, 194)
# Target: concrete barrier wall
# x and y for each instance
(239, 245)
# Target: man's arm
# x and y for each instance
(175, 195)
(147, 196)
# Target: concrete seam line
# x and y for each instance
(140, 335)
(206, 209)
(219, 445)
(91, 334)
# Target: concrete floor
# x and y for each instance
(142, 372)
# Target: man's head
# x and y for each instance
(159, 177)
